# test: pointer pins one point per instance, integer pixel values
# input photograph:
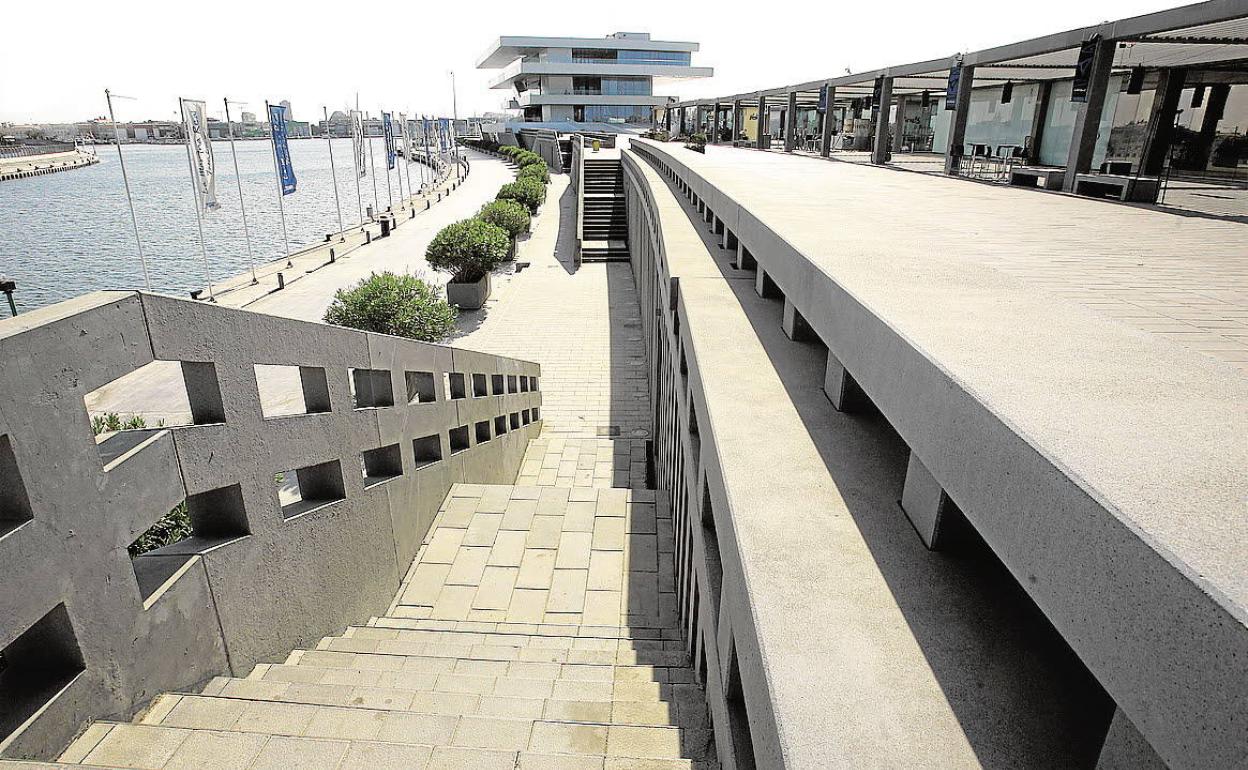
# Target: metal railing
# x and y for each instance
(27, 150)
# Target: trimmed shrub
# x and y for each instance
(539, 173)
(529, 159)
(527, 192)
(509, 150)
(468, 249)
(507, 214)
(400, 304)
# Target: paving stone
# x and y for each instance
(211, 750)
(137, 746)
(281, 753)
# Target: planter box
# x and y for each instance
(468, 296)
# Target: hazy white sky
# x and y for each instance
(398, 55)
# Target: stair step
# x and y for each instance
(350, 738)
(203, 712)
(530, 629)
(688, 712)
(524, 658)
(542, 649)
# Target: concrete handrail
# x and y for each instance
(578, 188)
(99, 632)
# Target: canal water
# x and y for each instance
(68, 233)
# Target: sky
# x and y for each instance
(400, 56)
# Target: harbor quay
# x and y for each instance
(22, 166)
(792, 441)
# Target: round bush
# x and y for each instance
(507, 214)
(398, 304)
(468, 249)
(509, 150)
(527, 192)
(529, 159)
(535, 172)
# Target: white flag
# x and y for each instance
(403, 133)
(357, 142)
(203, 167)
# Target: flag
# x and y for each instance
(1083, 69)
(203, 168)
(357, 143)
(951, 88)
(281, 149)
(388, 132)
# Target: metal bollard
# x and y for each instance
(331, 256)
(281, 281)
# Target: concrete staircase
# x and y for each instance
(605, 220)
(537, 628)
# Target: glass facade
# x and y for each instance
(612, 113)
(611, 56)
(595, 86)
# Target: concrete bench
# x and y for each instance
(1120, 186)
(1038, 176)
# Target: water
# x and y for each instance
(68, 233)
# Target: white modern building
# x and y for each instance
(588, 80)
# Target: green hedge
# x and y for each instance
(468, 249)
(536, 172)
(398, 304)
(507, 214)
(528, 192)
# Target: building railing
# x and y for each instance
(27, 150)
(578, 186)
(304, 464)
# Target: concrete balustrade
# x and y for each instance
(86, 631)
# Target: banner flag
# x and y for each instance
(403, 138)
(388, 132)
(281, 148)
(951, 89)
(823, 98)
(357, 143)
(203, 167)
(1083, 69)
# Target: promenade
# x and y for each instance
(35, 165)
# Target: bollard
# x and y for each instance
(281, 281)
(385, 226)
(8, 287)
(331, 256)
(368, 237)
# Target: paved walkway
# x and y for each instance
(1183, 278)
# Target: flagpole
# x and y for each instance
(407, 159)
(425, 125)
(229, 128)
(277, 177)
(134, 220)
(372, 164)
(357, 131)
(199, 215)
(399, 168)
(420, 168)
(389, 192)
(329, 142)
(454, 117)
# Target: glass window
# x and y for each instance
(671, 58)
(613, 113)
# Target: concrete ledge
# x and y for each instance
(1103, 466)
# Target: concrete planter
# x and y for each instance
(468, 296)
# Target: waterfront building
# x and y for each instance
(588, 80)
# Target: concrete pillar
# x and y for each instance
(1088, 117)
(737, 124)
(899, 124)
(923, 501)
(879, 153)
(762, 121)
(825, 141)
(841, 388)
(790, 133)
(1043, 94)
(1215, 108)
(765, 287)
(745, 260)
(794, 325)
(1161, 120)
(957, 124)
(1126, 749)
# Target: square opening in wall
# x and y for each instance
(455, 385)
(533, 384)
(305, 489)
(513, 384)
(480, 386)
(515, 420)
(291, 390)
(497, 383)
(420, 387)
(482, 430)
(371, 388)
(458, 438)
(525, 417)
(36, 666)
(14, 503)
(524, 383)
(500, 425)
(382, 464)
(428, 450)
(537, 414)
(157, 395)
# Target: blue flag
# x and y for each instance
(281, 150)
(388, 131)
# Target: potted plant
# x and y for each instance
(468, 250)
(401, 304)
(509, 215)
(527, 192)
(697, 143)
